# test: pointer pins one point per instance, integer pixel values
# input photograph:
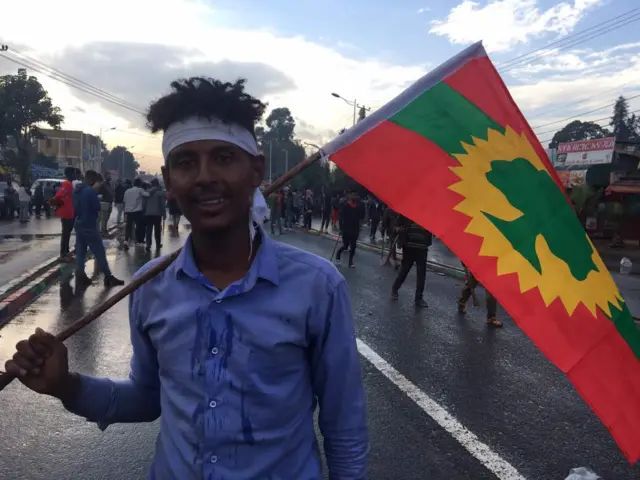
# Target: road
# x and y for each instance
(494, 382)
(25, 246)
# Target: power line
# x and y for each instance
(71, 78)
(582, 113)
(59, 78)
(577, 102)
(591, 121)
(574, 39)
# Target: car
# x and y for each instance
(55, 182)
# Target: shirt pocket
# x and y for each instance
(274, 367)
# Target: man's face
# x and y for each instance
(213, 183)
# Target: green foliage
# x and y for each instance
(24, 104)
(546, 213)
(120, 158)
(576, 131)
(625, 126)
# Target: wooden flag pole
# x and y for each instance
(6, 379)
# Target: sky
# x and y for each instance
(295, 53)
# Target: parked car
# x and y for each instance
(55, 182)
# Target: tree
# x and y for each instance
(625, 126)
(578, 130)
(24, 104)
(120, 158)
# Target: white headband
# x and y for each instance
(196, 128)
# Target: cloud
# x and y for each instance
(424, 10)
(505, 24)
(138, 73)
(578, 83)
(142, 48)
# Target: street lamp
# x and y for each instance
(353, 103)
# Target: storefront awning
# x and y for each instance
(625, 186)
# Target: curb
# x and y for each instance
(20, 298)
(19, 293)
(434, 266)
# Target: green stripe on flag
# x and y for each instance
(446, 118)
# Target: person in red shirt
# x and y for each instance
(63, 203)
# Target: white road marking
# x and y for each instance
(481, 451)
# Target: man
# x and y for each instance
(118, 199)
(276, 217)
(38, 199)
(307, 210)
(351, 216)
(133, 213)
(87, 207)
(155, 212)
(415, 242)
(375, 212)
(106, 202)
(470, 284)
(236, 342)
(325, 203)
(48, 194)
(63, 204)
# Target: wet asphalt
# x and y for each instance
(494, 382)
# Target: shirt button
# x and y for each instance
(214, 350)
(214, 459)
(213, 404)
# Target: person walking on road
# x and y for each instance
(48, 194)
(118, 200)
(415, 242)
(275, 213)
(87, 208)
(325, 203)
(235, 385)
(155, 212)
(307, 210)
(174, 213)
(24, 197)
(470, 284)
(133, 211)
(105, 190)
(375, 212)
(62, 202)
(351, 216)
(38, 199)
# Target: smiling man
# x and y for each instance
(238, 341)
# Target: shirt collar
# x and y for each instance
(264, 265)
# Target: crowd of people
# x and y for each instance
(348, 213)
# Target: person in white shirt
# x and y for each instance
(133, 206)
(24, 197)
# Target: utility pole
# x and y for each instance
(270, 160)
(286, 160)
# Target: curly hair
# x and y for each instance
(206, 98)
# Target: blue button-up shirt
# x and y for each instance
(235, 375)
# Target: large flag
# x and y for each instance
(454, 154)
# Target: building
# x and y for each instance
(72, 148)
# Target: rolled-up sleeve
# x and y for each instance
(337, 383)
(137, 399)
